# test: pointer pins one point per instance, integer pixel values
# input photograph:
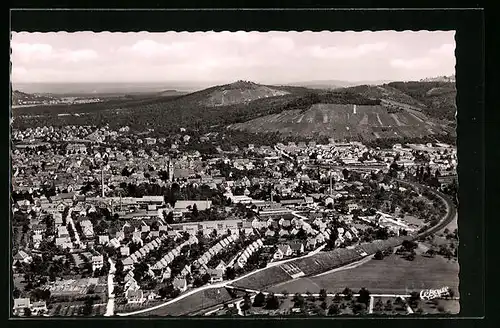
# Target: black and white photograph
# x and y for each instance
(241, 174)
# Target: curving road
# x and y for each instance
(450, 215)
(451, 211)
(110, 308)
(219, 284)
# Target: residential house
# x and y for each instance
(187, 205)
(283, 233)
(134, 296)
(97, 262)
(37, 239)
(58, 219)
(120, 235)
(128, 264)
(269, 233)
(20, 305)
(216, 275)
(103, 239)
(62, 232)
(311, 243)
(39, 307)
(87, 228)
(309, 201)
(221, 266)
(167, 273)
(125, 251)
(180, 284)
(329, 200)
(64, 242)
(137, 237)
(282, 251)
(352, 206)
(297, 247)
(22, 257)
(152, 296)
(38, 229)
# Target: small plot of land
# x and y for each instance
(439, 306)
(390, 275)
(74, 309)
(389, 306)
(300, 285)
(398, 122)
(412, 220)
(264, 278)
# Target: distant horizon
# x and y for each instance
(181, 86)
(222, 57)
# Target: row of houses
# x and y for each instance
(249, 250)
(162, 264)
(216, 274)
(22, 304)
(221, 227)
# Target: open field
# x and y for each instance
(339, 121)
(264, 278)
(315, 264)
(195, 302)
(391, 275)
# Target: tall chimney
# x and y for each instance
(271, 196)
(102, 181)
(354, 109)
(331, 184)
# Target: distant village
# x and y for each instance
(97, 212)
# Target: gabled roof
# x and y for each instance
(21, 303)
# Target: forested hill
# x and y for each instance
(398, 109)
(435, 99)
(195, 110)
(23, 98)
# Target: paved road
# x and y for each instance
(220, 284)
(451, 212)
(110, 308)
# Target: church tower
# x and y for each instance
(170, 170)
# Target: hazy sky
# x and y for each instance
(272, 57)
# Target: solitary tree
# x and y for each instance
(333, 309)
(272, 302)
(378, 255)
(364, 296)
(259, 300)
(347, 292)
(322, 294)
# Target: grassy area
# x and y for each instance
(264, 278)
(192, 303)
(390, 275)
(439, 306)
(389, 306)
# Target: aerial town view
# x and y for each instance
(233, 174)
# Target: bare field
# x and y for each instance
(391, 275)
(339, 121)
(192, 303)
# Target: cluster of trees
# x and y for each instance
(269, 302)
(424, 175)
(407, 250)
(439, 104)
(379, 255)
